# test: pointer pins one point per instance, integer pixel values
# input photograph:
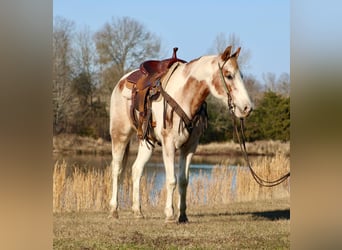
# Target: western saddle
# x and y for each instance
(144, 83)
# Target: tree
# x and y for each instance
(221, 41)
(280, 85)
(62, 73)
(90, 114)
(220, 126)
(84, 53)
(270, 120)
(122, 45)
(284, 85)
(254, 88)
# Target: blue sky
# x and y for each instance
(263, 26)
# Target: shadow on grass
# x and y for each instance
(272, 215)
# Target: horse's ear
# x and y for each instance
(226, 54)
(237, 52)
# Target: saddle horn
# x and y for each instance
(175, 49)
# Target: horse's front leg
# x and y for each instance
(144, 154)
(185, 157)
(183, 180)
(169, 160)
(186, 153)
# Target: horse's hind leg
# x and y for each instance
(120, 131)
(119, 153)
(144, 154)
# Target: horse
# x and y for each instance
(189, 85)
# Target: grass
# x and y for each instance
(241, 225)
(77, 189)
(249, 217)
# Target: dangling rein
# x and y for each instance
(258, 179)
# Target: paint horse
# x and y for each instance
(188, 85)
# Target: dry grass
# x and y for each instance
(218, 189)
(66, 143)
(241, 225)
(258, 147)
(76, 189)
(249, 217)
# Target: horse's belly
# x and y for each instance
(179, 135)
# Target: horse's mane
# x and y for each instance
(194, 60)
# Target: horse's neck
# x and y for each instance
(190, 86)
(202, 68)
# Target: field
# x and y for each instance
(249, 216)
(243, 225)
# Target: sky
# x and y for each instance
(263, 26)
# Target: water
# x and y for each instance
(154, 170)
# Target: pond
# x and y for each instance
(154, 170)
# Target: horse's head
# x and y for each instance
(229, 85)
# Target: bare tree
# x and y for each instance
(84, 52)
(122, 45)
(270, 81)
(284, 84)
(221, 41)
(254, 88)
(84, 63)
(62, 72)
(280, 85)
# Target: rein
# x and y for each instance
(258, 179)
(242, 140)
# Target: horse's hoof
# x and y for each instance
(138, 215)
(170, 219)
(113, 215)
(183, 219)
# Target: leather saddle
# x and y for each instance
(144, 83)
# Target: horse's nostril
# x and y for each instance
(247, 109)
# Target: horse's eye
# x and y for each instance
(230, 77)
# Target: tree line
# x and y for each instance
(87, 65)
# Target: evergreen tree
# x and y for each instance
(270, 120)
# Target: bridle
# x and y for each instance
(227, 88)
(242, 140)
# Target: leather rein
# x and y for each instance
(242, 140)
